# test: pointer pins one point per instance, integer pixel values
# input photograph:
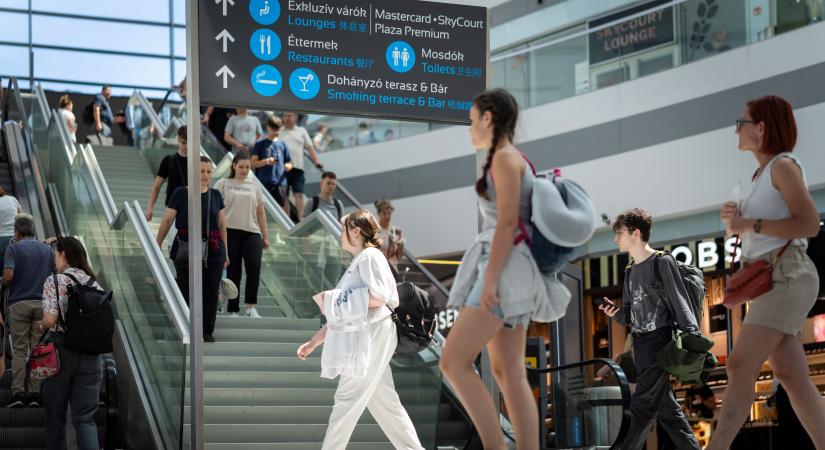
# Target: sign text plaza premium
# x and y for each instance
(409, 60)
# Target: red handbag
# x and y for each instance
(44, 361)
(750, 281)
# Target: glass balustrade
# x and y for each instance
(121, 265)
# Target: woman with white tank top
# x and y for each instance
(774, 220)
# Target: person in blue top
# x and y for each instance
(271, 161)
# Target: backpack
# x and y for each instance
(88, 115)
(338, 206)
(414, 318)
(562, 218)
(90, 320)
(693, 279)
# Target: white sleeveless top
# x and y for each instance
(763, 201)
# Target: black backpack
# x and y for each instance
(89, 114)
(90, 320)
(414, 318)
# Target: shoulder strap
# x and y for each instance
(57, 301)
(338, 207)
(315, 201)
(658, 255)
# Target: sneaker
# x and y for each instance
(233, 314)
(253, 313)
(34, 401)
(208, 338)
(18, 400)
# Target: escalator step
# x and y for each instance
(22, 437)
(22, 417)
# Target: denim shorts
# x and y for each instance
(474, 297)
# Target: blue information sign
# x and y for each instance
(409, 60)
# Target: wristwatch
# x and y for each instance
(757, 226)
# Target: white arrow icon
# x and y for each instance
(225, 36)
(224, 71)
(231, 2)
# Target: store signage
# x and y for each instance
(411, 60)
(707, 254)
(630, 36)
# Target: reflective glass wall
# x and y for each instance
(78, 45)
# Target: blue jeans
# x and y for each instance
(78, 386)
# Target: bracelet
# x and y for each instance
(757, 226)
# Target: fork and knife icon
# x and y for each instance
(266, 44)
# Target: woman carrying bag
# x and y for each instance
(360, 339)
(213, 243)
(77, 384)
(247, 233)
(773, 221)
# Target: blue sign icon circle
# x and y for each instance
(265, 12)
(265, 44)
(266, 80)
(304, 83)
(400, 56)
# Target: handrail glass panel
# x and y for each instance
(121, 265)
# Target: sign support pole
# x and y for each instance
(194, 210)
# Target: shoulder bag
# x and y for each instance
(751, 280)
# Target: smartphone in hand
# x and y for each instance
(603, 301)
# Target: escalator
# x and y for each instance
(20, 176)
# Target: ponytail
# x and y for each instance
(504, 110)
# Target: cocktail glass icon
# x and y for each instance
(259, 78)
(305, 80)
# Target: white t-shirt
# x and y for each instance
(296, 140)
(69, 119)
(241, 200)
(8, 211)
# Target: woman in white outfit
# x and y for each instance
(775, 219)
(356, 309)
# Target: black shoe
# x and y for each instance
(208, 338)
(34, 401)
(18, 400)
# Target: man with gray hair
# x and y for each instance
(28, 263)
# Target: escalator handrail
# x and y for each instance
(621, 378)
(153, 116)
(160, 270)
(40, 95)
(31, 197)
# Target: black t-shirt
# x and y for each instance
(173, 170)
(179, 204)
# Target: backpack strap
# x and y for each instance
(338, 207)
(524, 234)
(57, 301)
(89, 283)
(315, 200)
(659, 254)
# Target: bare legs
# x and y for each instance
(753, 346)
(473, 330)
(791, 369)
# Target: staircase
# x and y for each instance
(258, 394)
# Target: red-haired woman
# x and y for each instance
(774, 220)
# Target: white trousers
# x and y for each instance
(376, 392)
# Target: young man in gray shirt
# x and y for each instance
(325, 199)
(653, 308)
(243, 130)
